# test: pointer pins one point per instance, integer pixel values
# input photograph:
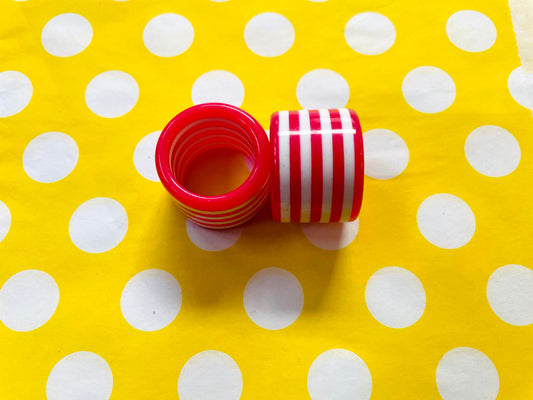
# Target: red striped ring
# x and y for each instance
(214, 126)
(318, 167)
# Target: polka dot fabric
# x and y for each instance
(108, 292)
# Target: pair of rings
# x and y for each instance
(312, 168)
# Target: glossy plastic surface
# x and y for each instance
(318, 167)
(202, 128)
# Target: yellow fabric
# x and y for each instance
(274, 363)
(521, 11)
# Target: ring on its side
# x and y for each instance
(318, 167)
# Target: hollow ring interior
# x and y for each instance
(208, 134)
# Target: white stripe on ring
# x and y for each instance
(284, 166)
(349, 163)
(305, 165)
(327, 164)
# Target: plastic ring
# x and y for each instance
(204, 127)
(318, 168)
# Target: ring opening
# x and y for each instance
(209, 157)
(215, 160)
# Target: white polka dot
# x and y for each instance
(16, 90)
(318, 1)
(28, 300)
(471, 31)
(510, 294)
(521, 87)
(50, 157)
(446, 221)
(151, 300)
(339, 374)
(168, 35)
(386, 154)
(210, 239)
(395, 297)
(269, 34)
(370, 33)
(210, 375)
(492, 151)
(98, 225)
(218, 86)
(322, 88)
(465, 373)
(273, 298)
(428, 89)
(331, 236)
(66, 35)
(80, 376)
(112, 94)
(5, 220)
(144, 156)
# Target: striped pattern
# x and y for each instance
(228, 218)
(213, 133)
(318, 165)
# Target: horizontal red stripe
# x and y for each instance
(316, 167)
(359, 166)
(295, 167)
